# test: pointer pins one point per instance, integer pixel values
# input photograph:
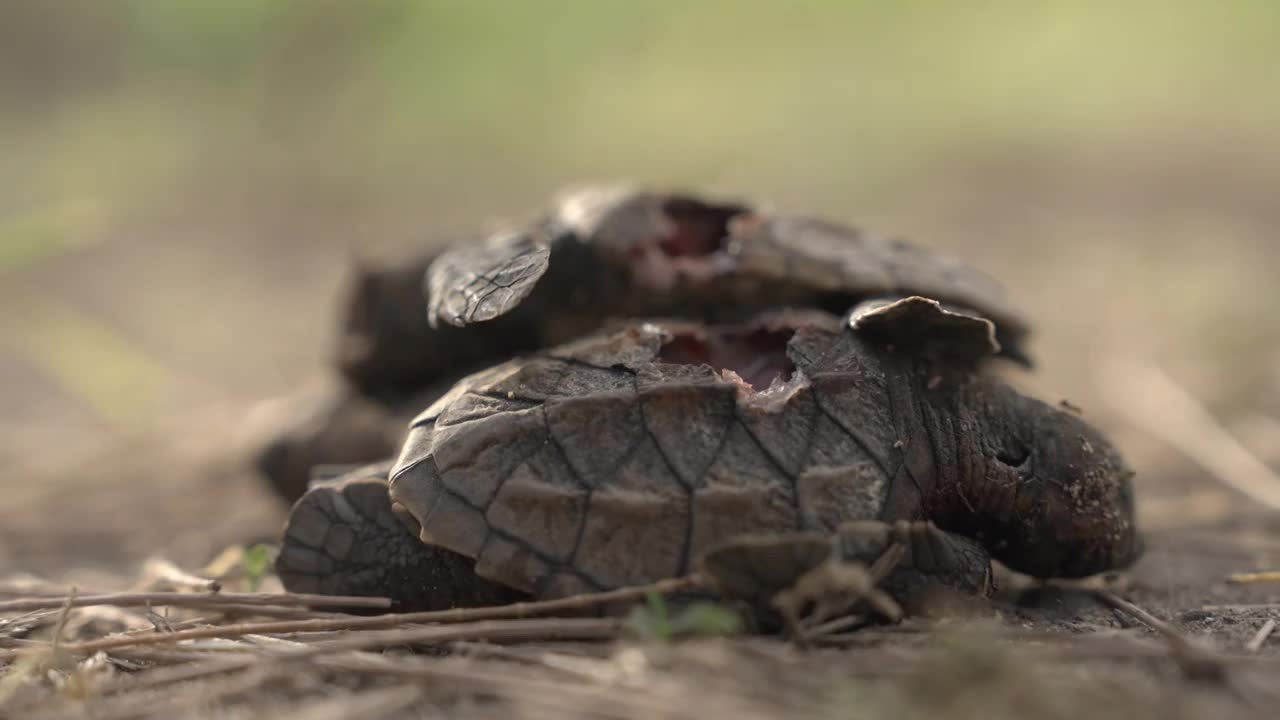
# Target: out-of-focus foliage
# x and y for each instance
(181, 183)
(656, 620)
(394, 91)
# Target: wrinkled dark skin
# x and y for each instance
(1052, 498)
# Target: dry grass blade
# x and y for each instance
(169, 705)
(26, 622)
(1152, 401)
(1243, 607)
(536, 630)
(63, 617)
(153, 656)
(178, 599)
(249, 669)
(1197, 663)
(157, 570)
(233, 610)
(1168, 631)
(458, 615)
(1271, 576)
(540, 630)
(1257, 641)
(491, 631)
(447, 677)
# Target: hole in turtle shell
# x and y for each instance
(699, 229)
(757, 356)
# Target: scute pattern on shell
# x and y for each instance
(773, 380)
(477, 282)
(612, 472)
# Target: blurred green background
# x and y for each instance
(182, 184)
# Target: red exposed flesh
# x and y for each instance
(759, 357)
(699, 229)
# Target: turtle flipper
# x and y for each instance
(343, 538)
(753, 569)
(478, 282)
(800, 579)
(933, 562)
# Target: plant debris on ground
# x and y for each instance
(204, 648)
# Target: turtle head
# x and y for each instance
(1053, 497)
(1043, 491)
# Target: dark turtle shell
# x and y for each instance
(620, 458)
(613, 253)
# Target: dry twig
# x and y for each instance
(1270, 576)
(492, 631)
(60, 628)
(457, 615)
(1256, 642)
(157, 570)
(1243, 607)
(1197, 663)
(177, 599)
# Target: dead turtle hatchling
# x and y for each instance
(409, 330)
(764, 447)
(605, 253)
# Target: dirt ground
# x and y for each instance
(173, 237)
(181, 491)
